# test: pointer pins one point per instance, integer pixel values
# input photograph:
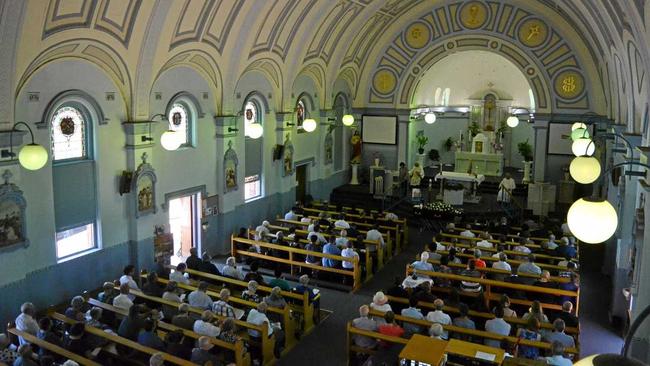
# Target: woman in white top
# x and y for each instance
(506, 187)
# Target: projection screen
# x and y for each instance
(379, 130)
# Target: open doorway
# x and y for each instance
(185, 224)
(301, 180)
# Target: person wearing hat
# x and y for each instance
(380, 303)
(202, 355)
(198, 298)
(439, 316)
(262, 230)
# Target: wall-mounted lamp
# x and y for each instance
(169, 139)
(233, 129)
(348, 120)
(309, 124)
(32, 156)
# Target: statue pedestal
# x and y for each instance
(355, 173)
(527, 168)
(419, 158)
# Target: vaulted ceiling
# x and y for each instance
(135, 41)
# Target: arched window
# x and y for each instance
(445, 96)
(74, 174)
(437, 98)
(340, 109)
(180, 114)
(69, 133)
(254, 158)
(531, 98)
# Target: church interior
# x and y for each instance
(325, 182)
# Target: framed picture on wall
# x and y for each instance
(144, 185)
(13, 230)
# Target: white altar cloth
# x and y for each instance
(461, 177)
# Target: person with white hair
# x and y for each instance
(550, 244)
(123, 300)
(262, 230)
(223, 308)
(157, 359)
(436, 331)
(231, 270)
(201, 355)
(204, 325)
(75, 310)
(364, 322)
(423, 264)
(250, 294)
(342, 239)
(8, 352)
(25, 321)
(69, 363)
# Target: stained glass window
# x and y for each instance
(250, 116)
(301, 113)
(179, 122)
(68, 134)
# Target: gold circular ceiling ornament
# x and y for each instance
(384, 81)
(533, 33)
(417, 35)
(569, 84)
(473, 15)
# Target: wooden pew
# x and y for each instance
(241, 358)
(540, 256)
(475, 333)
(381, 257)
(517, 322)
(390, 233)
(401, 224)
(122, 341)
(487, 285)
(351, 347)
(489, 260)
(53, 348)
(306, 306)
(268, 343)
(287, 323)
(368, 253)
(355, 273)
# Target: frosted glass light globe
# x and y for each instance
(430, 118)
(583, 147)
(585, 169)
(255, 130)
(579, 133)
(512, 121)
(592, 221)
(309, 125)
(348, 120)
(170, 140)
(577, 125)
(32, 156)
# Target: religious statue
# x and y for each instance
(356, 148)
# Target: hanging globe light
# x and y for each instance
(585, 169)
(255, 130)
(608, 360)
(592, 221)
(309, 125)
(577, 125)
(512, 121)
(348, 120)
(579, 133)
(583, 147)
(430, 118)
(32, 156)
(170, 140)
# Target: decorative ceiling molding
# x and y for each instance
(114, 17)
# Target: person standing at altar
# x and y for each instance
(506, 187)
(403, 177)
(416, 174)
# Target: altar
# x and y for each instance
(485, 164)
(458, 197)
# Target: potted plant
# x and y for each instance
(526, 151)
(449, 143)
(474, 129)
(422, 141)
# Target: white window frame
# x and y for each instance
(253, 179)
(78, 253)
(86, 131)
(189, 124)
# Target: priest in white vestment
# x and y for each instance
(506, 187)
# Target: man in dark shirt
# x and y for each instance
(193, 261)
(207, 266)
(569, 319)
(544, 281)
(397, 291)
(74, 340)
(153, 287)
(253, 275)
(201, 355)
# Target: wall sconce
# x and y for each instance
(169, 139)
(32, 156)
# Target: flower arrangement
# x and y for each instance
(439, 208)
